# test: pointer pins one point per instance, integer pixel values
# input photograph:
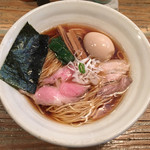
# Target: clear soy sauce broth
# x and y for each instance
(119, 54)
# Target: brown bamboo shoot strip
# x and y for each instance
(63, 34)
(79, 32)
(81, 54)
(71, 39)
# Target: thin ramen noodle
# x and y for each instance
(92, 104)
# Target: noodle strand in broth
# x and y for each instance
(89, 106)
(51, 65)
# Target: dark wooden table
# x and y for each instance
(13, 137)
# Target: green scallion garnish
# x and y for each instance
(82, 68)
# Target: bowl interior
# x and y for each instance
(135, 101)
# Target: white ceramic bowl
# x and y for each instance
(133, 105)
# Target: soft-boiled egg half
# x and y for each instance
(99, 45)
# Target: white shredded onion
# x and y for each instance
(91, 71)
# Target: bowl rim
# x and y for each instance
(81, 2)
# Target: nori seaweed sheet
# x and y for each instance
(25, 59)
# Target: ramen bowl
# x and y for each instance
(135, 101)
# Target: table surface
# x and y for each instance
(14, 137)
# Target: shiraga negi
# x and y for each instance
(73, 73)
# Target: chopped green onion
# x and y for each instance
(82, 68)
